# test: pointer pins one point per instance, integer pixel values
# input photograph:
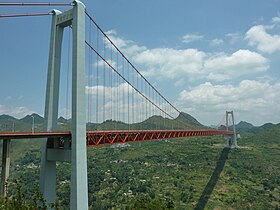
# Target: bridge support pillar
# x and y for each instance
(5, 166)
(232, 138)
(48, 167)
(77, 154)
(79, 185)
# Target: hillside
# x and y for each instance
(186, 173)
(244, 125)
(29, 119)
(188, 119)
(183, 121)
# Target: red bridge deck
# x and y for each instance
(110, 137)
(95, 138)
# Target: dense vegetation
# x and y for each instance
(189, 173)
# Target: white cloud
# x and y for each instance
(254, 101)
(192, 64)
(265, 42)
(191, 38)
(275, 20)
(171, 63)
(18, 112)
(122, 87)
(102, 63)
(242, 62)
(120, 43)
(128, 46)
(216, 42)
(234, 37)
(181, 65)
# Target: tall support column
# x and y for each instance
(78, 158)
(5, 166)
(232, 138)
(234, 131)
(79, 187)
(227, 120)
(48, 168)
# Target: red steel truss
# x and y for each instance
(96, 138)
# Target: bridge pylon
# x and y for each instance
(73, 151)
(232, 142)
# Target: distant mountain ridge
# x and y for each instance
(188, 119)
(244, 125)
(29, 119)
(5, 117)
(8, 123)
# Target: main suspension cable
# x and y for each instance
(34, 4)
(23, 15)
(107, 37)
(129, 83)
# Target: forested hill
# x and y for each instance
(185, 173)
(183, 121)
(245, 127)
(188, 119)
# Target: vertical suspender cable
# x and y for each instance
(137, 101)
(104, 83)
(159, 103)
(135, 69)
(146, 100)
(123, 91)
(97, 77)
(111, 87)
(132, 103)
(150, 106)
(118, 88)
(154, 109)
(114, 98)
(142, 105)
(89, 77)
(128, 97)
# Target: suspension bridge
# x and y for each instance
(115, 99)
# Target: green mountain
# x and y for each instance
(5, 117)
(244, 125)
(29, 119)
(62, 120)
(188, 119)
(267, 126)
(183, 121)
(190, 173)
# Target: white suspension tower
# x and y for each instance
(232, 138)
(73, 151)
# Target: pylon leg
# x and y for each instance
(232, 138)
(5, 166)
(79, 187)
(48, 168)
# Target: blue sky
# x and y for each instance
(205, 56)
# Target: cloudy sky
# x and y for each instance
(204, 56)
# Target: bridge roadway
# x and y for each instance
(96, 138)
